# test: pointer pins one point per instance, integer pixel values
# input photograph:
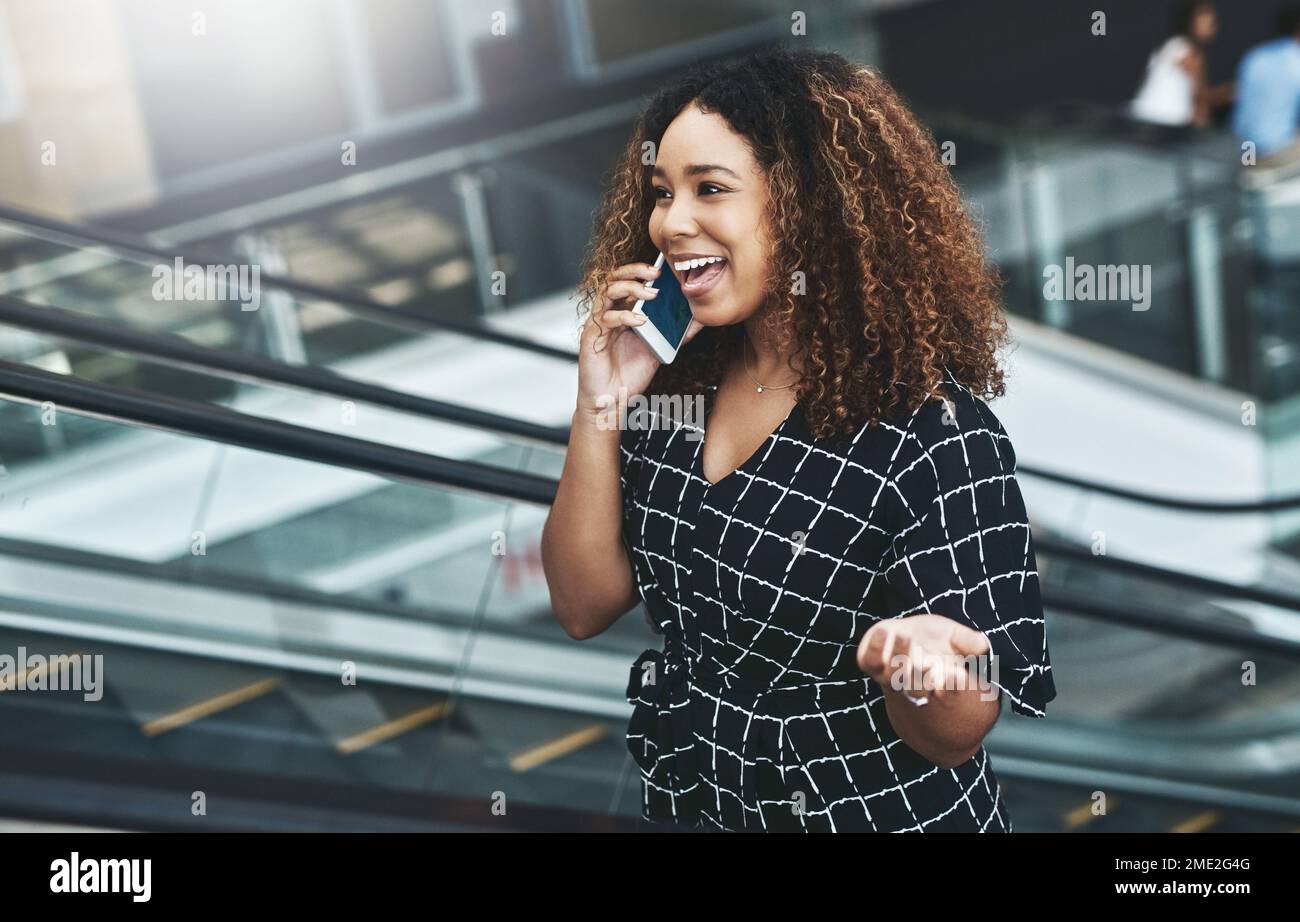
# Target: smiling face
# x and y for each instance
(710, 201)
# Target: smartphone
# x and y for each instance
(669, 314)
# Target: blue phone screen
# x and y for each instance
(670, 312)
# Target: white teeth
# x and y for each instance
(696, 263)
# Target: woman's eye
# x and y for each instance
(705, 188)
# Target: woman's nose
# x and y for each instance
(678, 218)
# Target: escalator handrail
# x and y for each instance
(125, 243)
(479, 330)
(174, 349)
(1217, 507)
(223, 580)
(215, 423)
(138, 408)
(1170, 622)
(1177, 578)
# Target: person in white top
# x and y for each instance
(1176, 90)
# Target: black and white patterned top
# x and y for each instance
(755, 714)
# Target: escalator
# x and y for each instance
(315, 621)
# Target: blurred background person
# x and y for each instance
(1268, 107)
(1176, 90)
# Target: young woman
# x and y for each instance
(839, 558)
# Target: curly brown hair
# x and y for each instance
(895, 283)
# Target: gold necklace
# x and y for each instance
(762, 387)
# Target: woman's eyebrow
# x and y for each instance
(696, 169)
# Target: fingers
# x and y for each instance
(893, 658)
(907, 662)
(642, 271)
(623, 289)
(931, 677)
(968, 641)
(893, 646)
(601, 325)
(879, 646)
(903, 664)
(869, 649)
(624, 318)
(630, 290)
(619, 295)
(629, 282)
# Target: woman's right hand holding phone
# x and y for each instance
(611, 355)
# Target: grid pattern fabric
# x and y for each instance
(755, 715)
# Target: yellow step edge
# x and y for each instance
(390, 729)
(1198, 823)
(208, 707)
(1082, 814)
(547, 752)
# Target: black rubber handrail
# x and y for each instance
(425, 322)
(1220, 507)
(177, 350)
(114, 239)
(1170, 622)
(219, 424)
(179, 572)
(1177, 578)
(174, 349)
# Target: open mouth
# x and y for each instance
(699, 278)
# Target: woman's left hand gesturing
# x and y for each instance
(921, 655)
